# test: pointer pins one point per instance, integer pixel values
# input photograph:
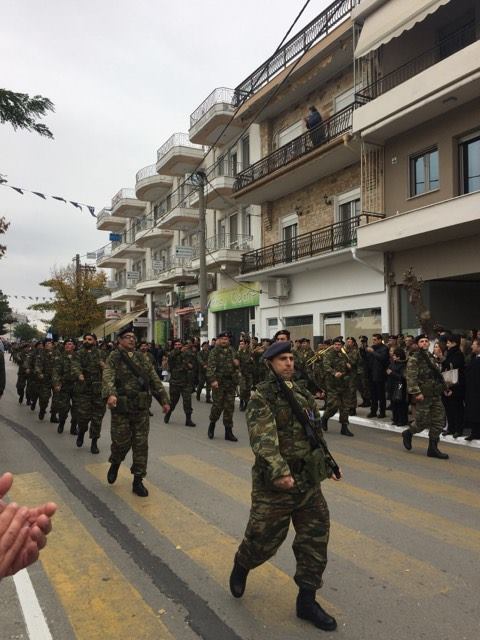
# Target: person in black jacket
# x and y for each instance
(396, 375)
(2, 373)
(378, 361)
(472, 392)
(454, 407)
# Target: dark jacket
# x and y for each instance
(472, 391)
(397, 377)
(378, 361)
(455, 359)
(2, 372)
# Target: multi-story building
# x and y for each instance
(418, 83)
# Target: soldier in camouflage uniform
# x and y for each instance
(425, 382)
(337, 369)
(259, 368)
(33, 384)
(129, 400)
(64, 379)
(286, 480)
(190, 356)
(202, 359)
(88, 367)
(222, 374)
(180, 367)
(351, 349)
(21, 358)
(245, 359)
(43, 372)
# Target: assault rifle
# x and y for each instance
(142, 379)
(315, 440)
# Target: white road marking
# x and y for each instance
(37, 626)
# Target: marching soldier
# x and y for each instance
(43, 371)
(88, 367)
(426, 384)
(128, 381)
(259, 367)
(202, 359)
(244, 357)
(286, 479)
(21, 359)
(337, 375)
(180, 366)
(222, 373)
(33, 383)
(64, 378)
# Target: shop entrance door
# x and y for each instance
(331, 329)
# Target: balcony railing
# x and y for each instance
(122, 195)
(146, 172)
(318, 28)
(218, 96)
(326, 239)
(328, 130)
(176, 140)
(174, 262)
(445, 48)
(232, 241)
(104, 213)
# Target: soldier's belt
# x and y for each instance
(297, 465)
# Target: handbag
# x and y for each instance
(451, 377)
(398, 392)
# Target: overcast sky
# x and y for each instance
(123, 76)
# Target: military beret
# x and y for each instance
(421, 336)
(224, 334)
(127, 329)
(90, 334)
(277, 349)
(338, 339)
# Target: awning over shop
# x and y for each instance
(113, 326)
(392, 19)
(184, 311)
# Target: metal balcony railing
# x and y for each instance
(104, 213)
(231, 241)
(122, 195)
(328, 130)
(146, 172)
(218, 96)
(445, 48)
(176, 140)
(174, 262)
(315, 30)
(326, 239)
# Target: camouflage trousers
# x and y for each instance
(246, 382)
(363, 386)
(21, 382)
(270, 516)
(184, 390)
(338, 399)
(223, 401)
(352, 394)
(130, 431)
(430, 414)
(66, 402)
(32, 388)
(203, 382)
(90, 409)
(44, 394)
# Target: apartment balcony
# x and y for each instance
(178, 155)
(208, 123)
(177, 271)
(318, 152)
(223, 251)
(448, 220)
(150, 186)
(220, 184)
(440, 79)
(126, 291)
(329, 245)
(149, 283)
(107, 302)
(107, 257)
(181, 215)
(107, 222)
(126, 205)
(153, 238)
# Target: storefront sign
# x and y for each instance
(133, 275)
(157, 265)
(141, 322)
(247, 295)
(183, 252)
(111, 314)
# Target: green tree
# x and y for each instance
(5, 313)
(3, 227)
(22, 111)
(24, 331)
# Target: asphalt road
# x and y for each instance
(403, 553)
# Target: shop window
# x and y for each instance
(424, 172)
(469, 151)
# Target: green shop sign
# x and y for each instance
(236, 297)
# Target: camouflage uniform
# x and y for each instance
(130, 418)
(202, 359)
(65, 376)
(244, 356)
(354, 359)
(280, 446)
(180, 380)
(90, 404)
(21, 358)
(338, 389)
(190, 358)
(221, 368)
(260, 371)
(425, 379)
(33, 384)
(363, 381)
(43, 371)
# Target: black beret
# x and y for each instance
(419, 337)
(89, 334)
(276, 349)
(127, 329)
(224, 334)
(338, 339)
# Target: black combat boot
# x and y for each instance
(229, 434)
(238, 579)
(61, 426)
(33, 405)
(93, 446)
(433, 451)
(188, 421)
(73, 428)
(324, 423)
(166, 417)
(138, 487)
(113, 472)
(198, 394)
(407, 436)
(80, 436)
(308, 609)
(211, 430)
(53, 418)
(345, 431)
(41, 415)
(20, 398)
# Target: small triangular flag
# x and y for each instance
(40, 195)
(75, 204)
(59, 198)
(17, 189)
(92, 210)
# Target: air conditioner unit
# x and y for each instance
(278, 288)
(171, 298)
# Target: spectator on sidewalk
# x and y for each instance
(378, 360)
(453, 403)
(472, 392)
(396, 373)
(2, 373)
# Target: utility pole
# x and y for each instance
(199, 179)
(78, 275)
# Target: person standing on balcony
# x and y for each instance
(314, 122)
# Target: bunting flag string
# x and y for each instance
(32, 298)
(78, 205)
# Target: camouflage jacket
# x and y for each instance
(178, 367)
(246, 361)
(119, 380)
(22, 360)
(64, 373)
(89, 363)
(44, 364)
(221, 366)
(423, 375)
(333, 362)
(202, 359)
(277, 438)
(354, 359)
